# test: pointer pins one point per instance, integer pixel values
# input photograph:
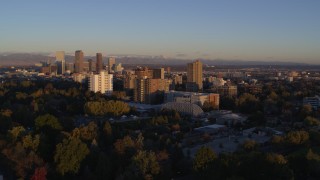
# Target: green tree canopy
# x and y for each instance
(47, 120)
(16, 132)
(69, 155)
(102, 108)
(311, 121)
(276, 158)
(249, 145)
(147, 164)
(248, 103)
(297, 137)
(203, 158)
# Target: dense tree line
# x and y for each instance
(39, 138)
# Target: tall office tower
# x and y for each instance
(92, 65)
(101, 82)
(61, 62)
(158, 73)
(78, 61)
(70, 67)
(194, 76)
(85, 67)
(111, 62)
(99, 63)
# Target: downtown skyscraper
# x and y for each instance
(111, 63)
(61, 62)
(78, 61)
(99, 64)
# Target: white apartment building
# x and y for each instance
(102, 82)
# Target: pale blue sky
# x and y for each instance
(284, 30)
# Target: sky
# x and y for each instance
(266, 30)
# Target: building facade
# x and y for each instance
(150, 91)
(102, 82)
(144, 72)
(61, 62)
(78, 61)
(111, 63)
(158, 73)
(99, 66)
(194, 76)
(193, 98)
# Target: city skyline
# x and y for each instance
(247, 30)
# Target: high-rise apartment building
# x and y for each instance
(158, 73)
(78, 61)
(144, 72)
(61, 62)
(99, 63)
(129, 81)
(150, 90)
(194, 76)
(111, 62)
(101, 82)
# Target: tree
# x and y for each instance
(48, 121)
(103, 167)
(107, 129)
(69, 155)
(297, 137)
(277, 139)
(5, 124)
(312, 156)
(203, 158)
(30, 142)
(139, 141)
(121, 145)
(23, 160)
(89, 132)
(176, 116)
(228, 103)
(276, 158)
(207, 106)
(147, 164)
(311, 121)
(16, 132)
(102, 108)
(248, 103)
(256, 119)
(305, 111)
(249, 145)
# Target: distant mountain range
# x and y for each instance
(15, 59)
